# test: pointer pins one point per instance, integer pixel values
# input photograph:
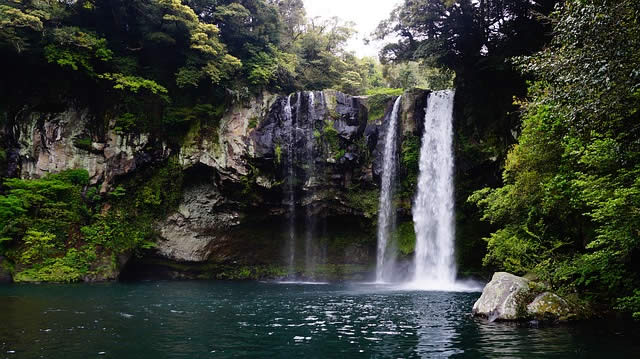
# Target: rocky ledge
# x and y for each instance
(511, 298)
(307, 163)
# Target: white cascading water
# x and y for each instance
(310, 257)
(386, 210)
(433, 210)
(290, 186)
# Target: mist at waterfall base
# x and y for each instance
(434, 266)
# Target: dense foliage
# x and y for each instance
(154, 64)
(58, 228)
(569, 208)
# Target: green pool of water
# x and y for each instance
(270, 320)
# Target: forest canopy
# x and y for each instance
(158, 58)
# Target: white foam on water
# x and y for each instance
(301, 282)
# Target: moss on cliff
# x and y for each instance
(405, 238)
(58, 229)
(378, 100)
(410, 161)
(365, 201)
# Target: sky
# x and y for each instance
(366, 14)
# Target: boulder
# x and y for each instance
(508, 298)
(189, 235)
(501, 297)
(549, 306)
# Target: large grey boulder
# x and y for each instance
(190, 234)
(501, 298)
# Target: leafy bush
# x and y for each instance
(331, 137)
(38, 246)
(366, 201)
(405, 238)
(51, 234)
(83, 143)
(631, 304)
(378, 101)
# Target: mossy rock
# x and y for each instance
(511, 298)
(501, 297)
(549, 306)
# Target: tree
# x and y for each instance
(475, 39)
(16, 25)
(293, 16)
(321, 51)
(570, 206)
(592, 67)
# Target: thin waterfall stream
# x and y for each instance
(299, 124)
(310, 250)
(386, 214)
(290, 195)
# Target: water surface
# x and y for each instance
(269, 320)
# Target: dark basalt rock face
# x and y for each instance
(42, 143)
(234, 204)
(306, 118)
(351, 117)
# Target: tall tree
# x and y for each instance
(475, 39)
(569, 208)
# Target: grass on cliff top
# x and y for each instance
(378, 99)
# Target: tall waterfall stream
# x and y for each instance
(433, 212)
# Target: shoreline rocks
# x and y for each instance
(500, 297)
(508, 297)
(549, 306)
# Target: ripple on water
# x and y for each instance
(257, 320)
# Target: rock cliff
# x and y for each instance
(307, 163)
(42, 143)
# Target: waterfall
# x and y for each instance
(310, 255)
(290, 195)
(298, 126)
(433, 212)
(386, 214)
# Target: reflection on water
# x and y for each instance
(220, 320)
